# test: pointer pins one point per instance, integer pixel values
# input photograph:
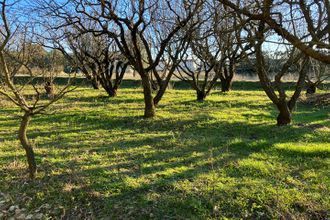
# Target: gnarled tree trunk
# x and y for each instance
(275, 90)
(27, 145)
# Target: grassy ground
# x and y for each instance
(223, 158)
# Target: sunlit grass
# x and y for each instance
(224, 157)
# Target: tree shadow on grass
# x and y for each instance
(136, 177)
(111, 182)
(102, 100)
(144, 171)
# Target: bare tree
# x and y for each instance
(170, 61)
(69, 42)
(134, 25)
(17, 94)
(100, 56)
(289, 58)
(198, 72)
(259, 33)
(78, 56)
(303, 23)
(215, 41)
(96, 56)
(227, 51)
(198, 64)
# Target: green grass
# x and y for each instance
(223, 158)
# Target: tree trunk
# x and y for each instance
(159, 94)
(161, 91)
(227, 79)
(311, 89)
(154, 85)
(226, 84)
(95, 83)
(149, 110)
(112, 92)
(91, 77)
(200, 96)
(284, 117)
(27, 145)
